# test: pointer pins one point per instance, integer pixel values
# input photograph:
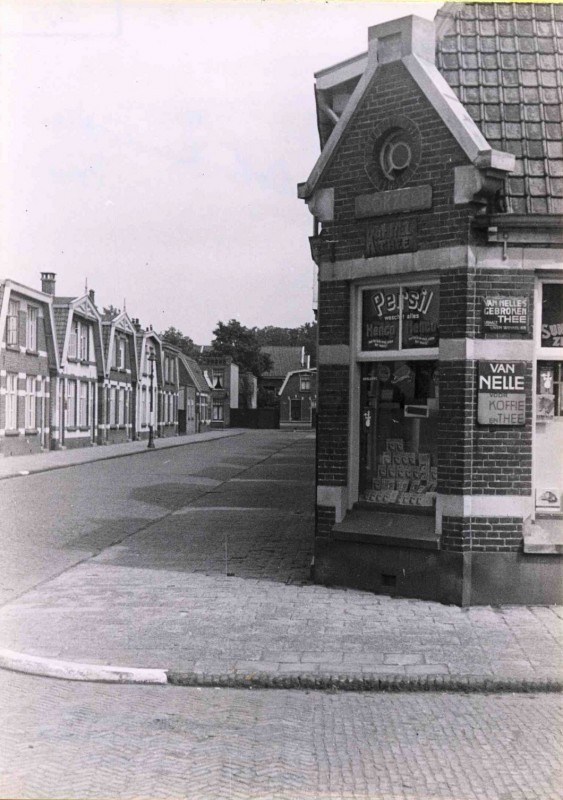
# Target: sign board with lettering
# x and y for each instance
(410, 312)
(501, 398)
(394, 236)
(503, 314)
(552, 315)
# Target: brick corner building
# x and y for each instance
(438, 207)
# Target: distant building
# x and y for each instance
(222, 375)
(117, 398)
(82, 365)
(29, 370)
(298, 399)
(194, 407)
(284, 359)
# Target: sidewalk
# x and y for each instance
(215, 592)
(15, 466)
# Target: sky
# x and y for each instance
(151, 150)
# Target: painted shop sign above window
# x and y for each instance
(385, 238)
(552, 315)
(400, 318)
(503, 314)
(501, 393)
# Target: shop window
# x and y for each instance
(552, 315)
(549, 390)
(399, 318)
(398, 453)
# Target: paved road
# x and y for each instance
(93, 741)
(196, 559)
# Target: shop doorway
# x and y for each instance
(399, 436)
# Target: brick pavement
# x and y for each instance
(60, 739)
(217, 587)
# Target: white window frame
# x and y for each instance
(218, 414)
(30, 404)
(73, 340)
(11, 401)
(84, 333)
(304, 383)
(544, 353)
(412, 354)
(71, 404)
(12, 323)
(112, 414)
(82, 404)
(31, 328)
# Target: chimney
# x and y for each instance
(48, 282)
(392, 41)
(92, 296)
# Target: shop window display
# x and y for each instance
(398, 470)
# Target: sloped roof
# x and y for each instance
(312, 371)
(61, 319)
(505, 63)
(284, 360)
(195, 372)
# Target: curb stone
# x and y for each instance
(162, 445)
(354, 682)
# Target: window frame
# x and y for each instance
(411, 354)
(11, 407)
(12, 323)
(31, 328)
(30, 414)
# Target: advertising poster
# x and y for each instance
(420, 316)
(501, 397)
(502, 314)
(380, 319)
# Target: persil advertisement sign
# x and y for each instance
(413, 309)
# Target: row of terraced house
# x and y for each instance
(72, 376)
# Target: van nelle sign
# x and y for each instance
(501, 396)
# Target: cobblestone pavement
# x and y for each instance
(84, 741)
(197, 560)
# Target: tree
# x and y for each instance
(176, 338)
(303, 336)
(242, 345)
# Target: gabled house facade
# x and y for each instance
(117, 409)
(29, 367)
(79, 340)
(194, 407)
(437, 202)
(222, 375)
(168, 391)
(149, 379)
(284, 359)
(298, 399)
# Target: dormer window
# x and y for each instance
(12, 323)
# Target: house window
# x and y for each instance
(144, 405)
(295, 410)
(12, 323)
(71, 405)
(84, 342)
(121, 407)
(120, 352)
(31, 333)
(11, 401)
(83, 403)
(217, 378)
(112, 408)
(217, 412)
(30, 404)
(305, 383)
(73, 341)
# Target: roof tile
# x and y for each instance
(507, 63)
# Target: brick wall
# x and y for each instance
(325, 520)
(393, 92)
(334, 312)
(332, 425)
(491, 534)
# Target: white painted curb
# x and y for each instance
(72, 671)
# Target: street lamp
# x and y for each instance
(152, 359)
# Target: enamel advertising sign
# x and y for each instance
(502, 314)
(501, 394)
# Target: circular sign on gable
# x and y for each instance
(392, 152)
